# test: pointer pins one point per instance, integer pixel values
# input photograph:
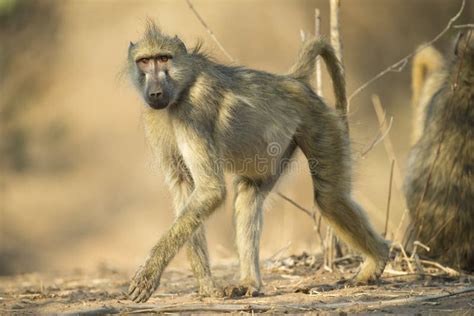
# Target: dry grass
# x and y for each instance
(295, 284)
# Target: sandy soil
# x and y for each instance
(291, 286)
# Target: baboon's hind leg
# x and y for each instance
(328, 154)
(248, 225)
(248, 218)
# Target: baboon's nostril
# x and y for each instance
(155, 94)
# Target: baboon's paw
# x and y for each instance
(242, 290)
(143, 284)
(370, 271)
(210, 289)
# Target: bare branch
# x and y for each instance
(305, 210)
(280, 251)
(387, 143)
(211, 33)
(405, 256)
(329, 249)
(331, 243)
(317, 33)
(334, 25)
(389, 198)
(449, 271)
(399, 65)
(441, 228)
(398, 231)
(417, 244)
(464, 26)
(302, 35)
(379, 137)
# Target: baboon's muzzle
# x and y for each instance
(157, 100)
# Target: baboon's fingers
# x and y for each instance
(141, 294)
(133, 291)
(142, 286)
(241, 291)
(144, 296)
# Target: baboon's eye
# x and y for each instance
(144, 60)
(164, 58)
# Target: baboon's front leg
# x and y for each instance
(201, 204)
(209, 193)
(181, 187)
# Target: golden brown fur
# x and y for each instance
(427, 75)
(214, 119)
(439, 179)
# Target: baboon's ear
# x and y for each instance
(180, 44)
(130, 46)
(458, 43)
(463, 41)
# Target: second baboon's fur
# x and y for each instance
(203, 119)
(440, 193)
(427, 77)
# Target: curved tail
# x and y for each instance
(305, 63)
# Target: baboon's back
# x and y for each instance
(444, 218)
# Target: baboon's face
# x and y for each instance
(153, 64)
(157, 89)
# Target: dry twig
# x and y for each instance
(464, 26)
(449, 271)
(389, 198)
(314, 216)
(331, 243)
(388, 143)
(301, 208)
(334, 27)
(278, 253)
(399, 65)
(211, 33)
(302, 35)
(317, 33)
(417, 244)
(399, 228)
(319, 91)
(420, 265)
(441, 228)
(382, 133)
(262, 307)
(329, 249)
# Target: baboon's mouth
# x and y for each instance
(158, 105)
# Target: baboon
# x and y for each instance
(439, 179)
(203, 118)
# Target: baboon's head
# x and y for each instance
(155, 68)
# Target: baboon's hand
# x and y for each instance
(144, 283)
(241, 291)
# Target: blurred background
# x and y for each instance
(77, 185)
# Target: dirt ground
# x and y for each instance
(296, 284)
